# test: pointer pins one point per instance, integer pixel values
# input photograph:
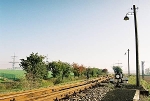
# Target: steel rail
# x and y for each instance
(64, 93)
(31, 92)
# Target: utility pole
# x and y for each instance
(137, 49)
(136, 44)
(128, 64)
(13, 62)
(142, 62)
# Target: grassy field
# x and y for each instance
(16, 73)
(145, 83)
(147, 78)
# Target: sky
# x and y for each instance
(88, 32)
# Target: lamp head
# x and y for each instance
(126, 18)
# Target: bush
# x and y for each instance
(57, 81)
(46, 83)
(2, 86)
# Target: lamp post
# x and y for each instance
(143, 69)
(128, 63)
(136, 44)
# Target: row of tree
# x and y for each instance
(36, 68)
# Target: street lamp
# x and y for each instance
(126, 17)
(136, 43)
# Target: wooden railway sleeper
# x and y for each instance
(53, 97)
(26, 95)
(27, 92)
(34, 98)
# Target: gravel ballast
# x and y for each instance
(103, 92)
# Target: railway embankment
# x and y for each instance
(109, 92)
(105, 92)
(98, 89)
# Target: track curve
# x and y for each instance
(53, 93)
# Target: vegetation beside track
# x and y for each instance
(37, 73)
(23, 84)
(54, 92)
(146, 85)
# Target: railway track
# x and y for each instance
(53, 93)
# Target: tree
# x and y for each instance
(87, 73)
(99, 72)
(54, 68)
(94, 72)
(78, 70)
(75, 69)
(65, 69)
(59, 69)
(82, 70)
(90, 71)
(117, 69)
(104, 71)
(35, 66)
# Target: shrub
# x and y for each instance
(57, 81)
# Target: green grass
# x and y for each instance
(17, 73)
(146, 85)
